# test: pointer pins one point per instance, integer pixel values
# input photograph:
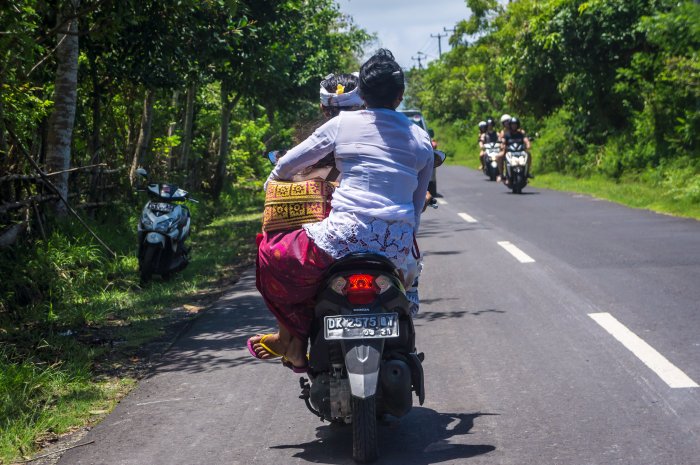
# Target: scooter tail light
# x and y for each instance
(361, 289)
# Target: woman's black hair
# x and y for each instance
(381, 80)
(348, 81)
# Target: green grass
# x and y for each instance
(75, 324)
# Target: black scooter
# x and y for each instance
(362, 362)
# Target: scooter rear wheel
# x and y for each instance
(364, 429)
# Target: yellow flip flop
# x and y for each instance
(264, 346)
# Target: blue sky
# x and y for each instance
(404, 27)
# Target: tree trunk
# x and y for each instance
(227, 105)
(3, 140)
(144, 134)
(58, 156)
(187, 130)
(172, 156)
(95, 145)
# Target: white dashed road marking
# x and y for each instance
(467, 218)
(659, 364)
(516, 252)
(441, 201)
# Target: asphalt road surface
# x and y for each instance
(557, 328)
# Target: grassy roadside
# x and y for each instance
(84, 336)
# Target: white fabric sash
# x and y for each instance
(346, 99)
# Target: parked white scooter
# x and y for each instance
(162, 230)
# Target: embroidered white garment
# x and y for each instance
(386, 162)
(348, 233)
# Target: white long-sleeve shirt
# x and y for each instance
(386, 162)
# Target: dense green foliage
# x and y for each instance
(611, 87)
(262, 59)
(251, 69)
(195, 92)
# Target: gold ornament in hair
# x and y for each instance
(340, 89)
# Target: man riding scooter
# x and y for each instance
(514, 134)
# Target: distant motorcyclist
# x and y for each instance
(515, 134)
(482, 131)
(505, 119)
(487, 136)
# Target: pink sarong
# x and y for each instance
(289, 272)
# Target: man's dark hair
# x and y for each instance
(381, 80)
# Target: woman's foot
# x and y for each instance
(295, 355)
(268, 346)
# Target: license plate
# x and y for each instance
(161, 207)
(370, 326)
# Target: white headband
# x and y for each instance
(344, 99)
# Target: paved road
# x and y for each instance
(558, 329)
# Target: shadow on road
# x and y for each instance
(443, 229)
(423, 437)
(433, 316)
(217, 340)
(444, 252)
(523, 193)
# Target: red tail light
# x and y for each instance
(360, 289)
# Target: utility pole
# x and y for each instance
(420, 56)
(439, 38)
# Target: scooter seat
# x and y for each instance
(363, 261)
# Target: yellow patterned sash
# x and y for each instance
(288, 205)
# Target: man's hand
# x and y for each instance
(428, 199)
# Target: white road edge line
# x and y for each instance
(467, 218)
(516, 252)
(659, 364)
(441, 201)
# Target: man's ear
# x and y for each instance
(399, 99)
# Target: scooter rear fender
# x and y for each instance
(362, 360)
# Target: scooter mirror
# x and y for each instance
(142, 172)
(275, 155)
(272, 156)
(439, 157)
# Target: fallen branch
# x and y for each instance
(29, 200)
(55, 452)
(50, 185)
(25, 177)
